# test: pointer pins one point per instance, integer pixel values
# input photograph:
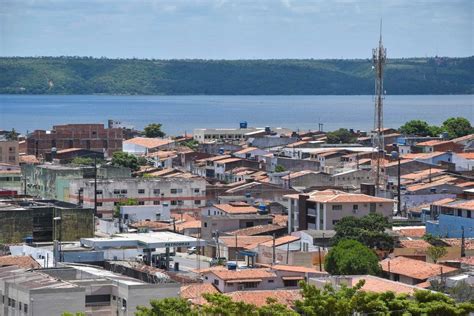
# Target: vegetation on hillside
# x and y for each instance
(453, 126)
(86, 75)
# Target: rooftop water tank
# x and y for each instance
(243, 124)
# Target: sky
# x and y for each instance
(237, 29)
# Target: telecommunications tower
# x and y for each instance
(379, 57)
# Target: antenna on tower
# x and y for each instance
(379, 57)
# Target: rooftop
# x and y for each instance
(335, 196)
(31, 280)
(245, 274)
(243, 241)
(26, 262)
(148, 142)
(415, 269)
(255, 230)
(234, 208)
(259, 298)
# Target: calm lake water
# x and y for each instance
(185, 113)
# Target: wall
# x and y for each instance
(451, 226)
(9, 152)
(386, 209)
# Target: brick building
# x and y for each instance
(88, 136)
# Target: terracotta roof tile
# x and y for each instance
(149, 142)
(380, 285)
(29, 159)
(26, 262)
(245, 150)
(281, 241)
(243, 241)
(196, 290)
(236, 209)
(228, 275)
(414, 268)
(259, 298)
(335, 196)
(255, 230)
(415, 244)
(413, 232)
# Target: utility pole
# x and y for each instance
(273, 249)
(379, 56)
(236, 252)
(463, 243)
(95, 185)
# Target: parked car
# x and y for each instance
(192, 250)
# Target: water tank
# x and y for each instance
(243, 124)
(231, 266)
(268, 130)
(221, 151)
(29, 240)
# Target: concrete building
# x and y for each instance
(204, 135)
(182, 194)
(135, 213)
(321, 210)
(9, 152)
(26, 292)
(250, 153)
(88, 136)
(51, 181)
(20, 219)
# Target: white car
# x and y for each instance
(192, 250)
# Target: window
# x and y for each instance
(173, 202)
(156, 191)
(250, 285)
(460, 213)
(141, 202)
(124, 303)
(196, 190)
(114, 297)
(99, 203)
(355, 207)
(116, 191)
(180, 202)
(197, 202)
(123, 191)
(205, 224)
(175, 191)
(25, 308)
(249, 224)
(156, 202)
(337, 207)
(271, 281)
(290, 282)
(116, 203)
(216, 282)
(468, 214)
(334, 222)
(141, 191)
(19, 306)
(99, 192)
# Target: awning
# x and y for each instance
(244, 281)
(292, 278)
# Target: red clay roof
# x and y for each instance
(243, 241)
(149, 142)
(236, 209)
(335, 196)
(245, 274)
(196, 290)
(26, 262)
(380, 285)
(259, 298)
(415, 269)
(255, 230)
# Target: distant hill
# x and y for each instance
(82, 75)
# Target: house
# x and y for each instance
(312, 239)
(321, 210)
(222, 218)
(306, 179)
(269, 229)
(452, 218)
(67, 155)
(250, 153)
(231, 246)
(413, 272)
(372, 283)
(440, 146)
(143, 145)
(259, 298)
(257, 192)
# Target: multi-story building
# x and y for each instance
(43, 220)
(182, 194)
(51, 181)
(9, 152)
(88, 136)
(321, 210)
(81, 289)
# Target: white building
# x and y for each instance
(144, 145)
(182, 194)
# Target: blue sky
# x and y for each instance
(239, 29)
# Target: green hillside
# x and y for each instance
(82, 75)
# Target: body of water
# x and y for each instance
(185, 113)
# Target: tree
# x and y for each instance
(83, 161)
(351, 257)
(128, 202)
(192, 144)
(368, 230)
(436, 252)
(154, 130)
(416, 127)
(279, 168)
(462, 292)
(142, 161)
(12, 135)
(122, 159)
(457, 127)
(341, 135)
(166, 307)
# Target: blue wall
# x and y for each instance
(450, 226)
